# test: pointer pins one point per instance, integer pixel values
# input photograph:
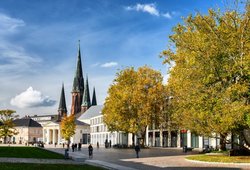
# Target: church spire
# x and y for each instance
(94, 103)
(86, 97)
(62, 109)
(78, 85)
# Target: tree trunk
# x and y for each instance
(133, 140)
(223, 138)
(143, 136)
(5, 140)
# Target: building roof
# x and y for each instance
(27, 122)
(62, 104)
(81, 123)
(78, 83)
(94, 103)
(93, 111)
(86, 97)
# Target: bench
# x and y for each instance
(186, 149)
(190, 149)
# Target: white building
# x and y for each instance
(98, 130)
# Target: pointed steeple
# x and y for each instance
(94, 103)
(78, 84)
(86, 97)
(62, 109)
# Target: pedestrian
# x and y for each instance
(79, 146)
(137, 150)
(63, 145)
(90, 151)
(110, 143)
(106, 143)
(97, 145)
(73, 147)
(55, 144)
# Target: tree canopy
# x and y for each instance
(134, 101)
(68, 126)
(6, 124)
(210, 79)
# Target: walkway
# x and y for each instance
(155, 158)
(125, 159)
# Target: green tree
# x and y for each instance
(6, 124)
(210, 78)
(134, 101)
(68, 126)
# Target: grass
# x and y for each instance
(220, 158)
(28, 152)
(24, 166)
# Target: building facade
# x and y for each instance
(28, 131)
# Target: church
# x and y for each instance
(81, 102)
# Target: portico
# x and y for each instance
(51, 133)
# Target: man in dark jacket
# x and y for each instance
(137, 150)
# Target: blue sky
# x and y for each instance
(39, 39)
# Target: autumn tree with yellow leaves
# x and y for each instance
(135, 100)
(210, 79)
(68, 126)
(7, 126)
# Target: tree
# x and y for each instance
(6, 124)
(68, 126)
(134, 101)
(210, 79)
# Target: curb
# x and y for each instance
(218, 163)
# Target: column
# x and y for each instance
(54, 136)
(147, 136)
(188, 138)
(44, 135)
(200, 142)
(178, 139)
(59, 136)
(48, 136)
(161, 137)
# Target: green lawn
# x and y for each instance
(28, 152)
(24, 166)
(221, 158)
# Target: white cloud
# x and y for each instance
(167, 15)
(13, 58)
(9, 24)
(31, 98)
(110, 64)
(148, 8)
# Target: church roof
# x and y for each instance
(94, 103)
(93, 111)
(27, 122)
(86, 96)
(62, 104)
(78, 83)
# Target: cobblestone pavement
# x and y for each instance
(150, 159)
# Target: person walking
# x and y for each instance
(97, 145)
(90, 148)
(137, 150)
(73, 147)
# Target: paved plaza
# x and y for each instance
(125, 159)
(150, 159)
